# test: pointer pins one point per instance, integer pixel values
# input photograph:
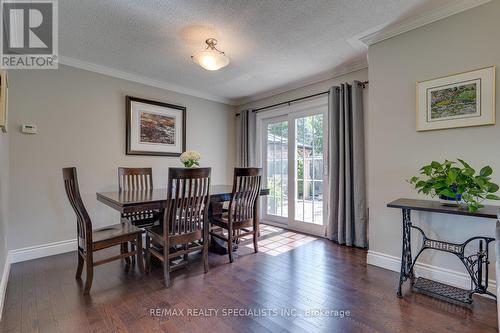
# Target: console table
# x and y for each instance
(476, 264)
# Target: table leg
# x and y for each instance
(406, 259)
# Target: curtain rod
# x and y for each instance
(362, 84)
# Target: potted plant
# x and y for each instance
(456, 182)
(190, 158)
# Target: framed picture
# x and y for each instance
(155, 128)
(460, 100)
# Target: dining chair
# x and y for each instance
(90, 241)
(138, 179)
(185, 224)
(240, 220)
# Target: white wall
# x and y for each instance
(462, 42)
(4, 191)
(81, 122)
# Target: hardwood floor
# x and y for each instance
(291, 271)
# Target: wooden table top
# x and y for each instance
(156, 199)
(487, 211)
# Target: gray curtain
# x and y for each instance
(247, 128)
(347, 213)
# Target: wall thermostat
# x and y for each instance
(29, 129)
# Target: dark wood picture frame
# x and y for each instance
(128, 102)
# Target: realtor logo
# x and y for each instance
(29, 34)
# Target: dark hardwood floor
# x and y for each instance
(291, 271)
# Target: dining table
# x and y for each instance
(130, 201)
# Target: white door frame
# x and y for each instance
(305, 108)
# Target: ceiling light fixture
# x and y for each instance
(211, 58)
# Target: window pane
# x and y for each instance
(318, 202)
(277, 147)
(318, 169)
(300, 189)
(299, 210)
(309, 142)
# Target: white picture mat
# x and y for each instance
(486, 96)
(135, 109)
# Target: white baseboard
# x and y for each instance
(448, 276)
(304, 230)
(40, 251)
(3, 283)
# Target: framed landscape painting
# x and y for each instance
(460, 100)
(155, 128)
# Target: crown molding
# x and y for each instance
(338, 71)
(418, 21)
(72, 62)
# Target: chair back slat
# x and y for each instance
(130, 179)
(136, 179)
(187, 200)
(84, 224)
(246, 188)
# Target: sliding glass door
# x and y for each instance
(293, 155)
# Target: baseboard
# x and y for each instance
(3, 283)
(287, 227)
(40, 251)
(448, 276)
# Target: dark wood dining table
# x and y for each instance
(156, 199)
(140, 200)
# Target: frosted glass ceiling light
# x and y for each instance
(211, 58)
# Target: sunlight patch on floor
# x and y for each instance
(280, 243)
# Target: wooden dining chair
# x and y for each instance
(138, 179)
(240, 220)
(185, 224)
(90, 241)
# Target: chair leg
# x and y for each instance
(166, 269)
(90, 275)
(205, 248)
(148, 254)
(185, 258)
(79, 269)
(140, 258)
(230, 242)
(127, 259)
(132, 248)
(255, 240)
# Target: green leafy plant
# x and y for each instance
(456, 181)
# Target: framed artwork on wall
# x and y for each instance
(460, 100)
(155, 128)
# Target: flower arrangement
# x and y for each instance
(190, 158)
(457, 182)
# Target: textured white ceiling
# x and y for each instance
(271, 43)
